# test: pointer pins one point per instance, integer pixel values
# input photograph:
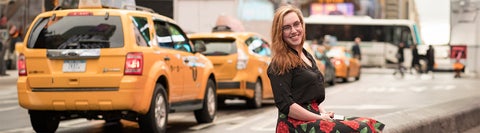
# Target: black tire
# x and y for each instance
(345, 79)
(209, 110)
(44, 121)
(155, 121)
(256, 101)
(332, 81)
(333, 78)
(358, 76)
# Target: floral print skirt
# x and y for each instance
(286, 124)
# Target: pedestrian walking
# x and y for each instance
(458, 66)
(356, 53)
(401, 59)
(415, 60)
(298, 85)
(430, 60)
(4, 36)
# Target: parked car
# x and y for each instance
(240, 60)
(323, 63)
(112, 64)
(345, 66)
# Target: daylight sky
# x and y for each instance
(434, 18)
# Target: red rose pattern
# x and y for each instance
(282, 127)
(296, 122)
(326, 126)
(314, 106)
(352, 124)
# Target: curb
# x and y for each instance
(450, 117)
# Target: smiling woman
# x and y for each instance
(298, 86)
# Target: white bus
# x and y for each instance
(380, 37)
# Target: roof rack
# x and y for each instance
(138, 8)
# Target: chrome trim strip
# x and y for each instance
(73, 53)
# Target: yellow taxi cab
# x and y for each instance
(323, 63)
(112, 64)
(240, 60)
(345, 66)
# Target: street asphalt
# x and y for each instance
(458, 116)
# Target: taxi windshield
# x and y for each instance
(77, 32)
(218, 46)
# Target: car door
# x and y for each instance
(188, 67)
(172, 58)
(259, 46)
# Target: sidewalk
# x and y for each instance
(458, 116)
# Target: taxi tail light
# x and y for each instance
(22, 65)
(336, 61)
(242, 60)
(134, 63)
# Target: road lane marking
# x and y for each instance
(257, 118)
(71, 122)
(9, 108)
(8, 96)
(202, 126)
(266, 125)
(19, 130)
(8, 101)
(82, 122)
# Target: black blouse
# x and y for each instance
(300, 85)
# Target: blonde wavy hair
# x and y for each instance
(284, 59)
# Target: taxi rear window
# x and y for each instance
(77, 32)
(217, 46)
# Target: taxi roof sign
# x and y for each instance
(90, 4)
(72, 4)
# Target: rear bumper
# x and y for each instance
(235, 88)
(129, 95)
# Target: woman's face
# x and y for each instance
(292, 30)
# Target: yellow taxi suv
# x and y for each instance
(323, 63)
(110, 64)
(345, 66)
(240, 60)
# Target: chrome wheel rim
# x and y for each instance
(160, 111)
(211, 101)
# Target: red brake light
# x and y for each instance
(80, 14)
(134, 64)
(22, 65)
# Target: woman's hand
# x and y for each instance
(330, 113)
(325, 116)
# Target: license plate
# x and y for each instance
(74, 65)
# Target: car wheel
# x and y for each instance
(156, 119)
(358, 75)
(256, 101)
(332, 81)
(44, 121)
(209, 110)
(332, 77)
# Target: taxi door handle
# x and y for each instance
(166, 58)
(186, 60)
